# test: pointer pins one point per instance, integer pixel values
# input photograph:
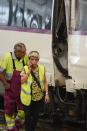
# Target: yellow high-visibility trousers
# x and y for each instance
(11, 119)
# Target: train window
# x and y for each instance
(81, 15)
(4, 12)
(36, 14)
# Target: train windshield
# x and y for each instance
(79, 15)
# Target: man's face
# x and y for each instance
(20, 53)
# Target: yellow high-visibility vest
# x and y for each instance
(6, 64)
(26, 87)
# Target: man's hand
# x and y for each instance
(24, 78)
(6, 85)
(3, 80)
(27, 70)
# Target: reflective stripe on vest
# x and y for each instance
(27, 93)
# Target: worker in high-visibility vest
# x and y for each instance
(11, 65)
(32, 91)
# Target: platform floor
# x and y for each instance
(44, 125)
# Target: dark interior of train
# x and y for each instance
(59, 43)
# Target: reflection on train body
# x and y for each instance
(30, 14)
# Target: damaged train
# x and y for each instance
(57, 29)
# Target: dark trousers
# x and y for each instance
(32, 114)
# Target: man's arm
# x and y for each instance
(3, 66)
(3, 80)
